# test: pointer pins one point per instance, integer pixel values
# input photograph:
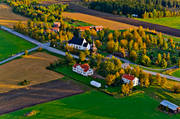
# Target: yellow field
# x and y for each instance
(8, 18)
(97, 21)
(31, 68)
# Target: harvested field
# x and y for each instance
(32, 68)
(21, 98)
(120, 19)
(8, 18)
(97, 21)
(48, 2)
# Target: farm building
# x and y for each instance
(79, 43)
(83, 28)
(83, 69)
(127, 78)
(56, 24)
(55, 29)
(170, 107)
(96, 28)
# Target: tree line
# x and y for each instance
(36, 11)
(159, 14)
(129, 7)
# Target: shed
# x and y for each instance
(95, 83)
(172, 107)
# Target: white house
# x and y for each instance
(79, 43)
(83, 69)
(95, 84)
(127, 78)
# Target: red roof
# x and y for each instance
(83, 28)
(85, 67)
(128, 77)
(57, 24)
(75, 65)
(55, 28)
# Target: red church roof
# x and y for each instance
(128, 77)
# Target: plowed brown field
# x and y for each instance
(30, 68)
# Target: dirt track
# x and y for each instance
(159, 28)
(21, 98)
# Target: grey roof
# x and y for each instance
(75, 40)
(169, 105)
(85, 44)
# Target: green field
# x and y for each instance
(176, 73)
(11, 44)
(95, 105)
(173, 22)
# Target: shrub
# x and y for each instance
(32, 113)
(176, 88)
(25, 82)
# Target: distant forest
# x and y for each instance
(138, 7)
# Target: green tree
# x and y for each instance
(146, 60)
(164, 63)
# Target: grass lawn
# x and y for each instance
(95, 105)
(173, 22)
(176, 39)
(66, 70)
(11, 45)
(77, 23)
(176, 73)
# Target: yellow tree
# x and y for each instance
(98, 43)
(110, 36)
(141, 82)
(133, 55)
(110, 79)
(121, 72)
(131, 85)
(163, 81)
(146, 82)
(26, 52)
(158, 78)
(123, 89)
(110, 45)
(82, 56)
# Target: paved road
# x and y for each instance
(50, 49)
(159, 28)
(129, 62)
(17, 55)
(150, 72)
